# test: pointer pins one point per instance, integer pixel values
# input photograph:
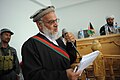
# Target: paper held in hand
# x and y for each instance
(87, 60)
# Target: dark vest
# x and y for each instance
(6, 59)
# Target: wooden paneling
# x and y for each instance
(110, 50)
(110, 44)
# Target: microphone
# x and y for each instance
(64, 32)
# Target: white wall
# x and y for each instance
(14, 14)
(78, 16)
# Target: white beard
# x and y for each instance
(50, 33)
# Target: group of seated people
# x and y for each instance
(110, 27)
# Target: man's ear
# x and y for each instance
(0, 37)
(39, 24)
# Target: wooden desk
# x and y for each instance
(110, 50)
(110, 44)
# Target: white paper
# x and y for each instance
(87, 60)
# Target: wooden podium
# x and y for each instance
(110, 50)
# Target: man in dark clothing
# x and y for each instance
(44, 57)
(9, 64)
(108, 28)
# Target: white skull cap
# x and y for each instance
(112, 16)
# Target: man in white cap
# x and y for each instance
(44, 57)
(108, 28)
(9, 64)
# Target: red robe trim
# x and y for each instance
(55, 48)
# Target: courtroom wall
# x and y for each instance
(14, 14)
(78, 16)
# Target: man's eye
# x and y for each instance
(52, 21)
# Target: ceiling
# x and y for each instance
(67, 3)
(60, 3)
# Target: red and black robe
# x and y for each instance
(43, 60)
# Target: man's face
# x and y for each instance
(5, 37)
(110, 21)
(50, 22)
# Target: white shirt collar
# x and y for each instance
(54, 41)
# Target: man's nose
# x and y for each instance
(56, 24)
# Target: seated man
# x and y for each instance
(108, 28)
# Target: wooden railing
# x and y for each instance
(112, 65)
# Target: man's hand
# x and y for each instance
(69, 37)
(72, 75)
